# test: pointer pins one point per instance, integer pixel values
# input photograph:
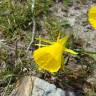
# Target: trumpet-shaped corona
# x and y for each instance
(50, 57)
(92, 16)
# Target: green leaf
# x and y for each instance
(92, 55)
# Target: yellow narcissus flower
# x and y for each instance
(92, 16)
(49, 57)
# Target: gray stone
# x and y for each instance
(33, 86)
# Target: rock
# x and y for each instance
(33, 86)
(23, 87)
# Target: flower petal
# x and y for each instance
(41, 45)
(49, 57)
(64, 40)
(92, 16)
(70, 51)
(44, 40)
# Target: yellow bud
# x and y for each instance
(49, 58)
(92, 16)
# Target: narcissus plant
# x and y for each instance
(92, 16)
(49, 57)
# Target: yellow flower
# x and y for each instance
(50, 57)
(92, 16)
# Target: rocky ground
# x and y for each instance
(67, 17)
